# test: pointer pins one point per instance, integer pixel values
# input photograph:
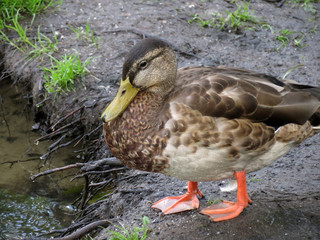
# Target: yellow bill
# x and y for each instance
(124, 96)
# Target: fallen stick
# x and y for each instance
(50, 171)
(44, 156)
(43, 101)
(59, 131)
(100, 183)
(85, 193)
(86, 229)
(79, 233)
(112, 161)
(88, 134)
(64, 118)
(53, 145)
(17, 161)
(56, 132)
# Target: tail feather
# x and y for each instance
(314, 91)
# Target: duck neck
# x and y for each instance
(144, 110)
(135, 130)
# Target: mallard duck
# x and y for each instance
(204, 123)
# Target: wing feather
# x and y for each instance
(239, 93)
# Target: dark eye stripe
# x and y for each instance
(133, 73)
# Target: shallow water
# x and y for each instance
(30, 208)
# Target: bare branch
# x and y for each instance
(86, 229)
(58, 131)
(65, 117)
(50, 171)
(79, 233)
(44, 156)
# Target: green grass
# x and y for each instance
(10, 8)
(242, 17)
(36, 47)
(137, 233)
(12, 11)
(292, 69)
(255, 180)
(211, 202)
(62, 73)
(314, 30)
(87, 34)
(22, 33)
(202, 22)
(286, 36)
(60, 76)
(307, 5)
(297, 41)
(39, 46)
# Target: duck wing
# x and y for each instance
(241, 94)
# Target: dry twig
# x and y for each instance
(44, 156)
(50, 171)
(79, 233)
(88, 134)
(86, 229)
(65, 117)
(18, 161)
(58, 131)
(85, 167)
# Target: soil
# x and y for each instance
(286, 199)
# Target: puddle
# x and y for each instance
(30, 208)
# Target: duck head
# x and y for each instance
(151, 65)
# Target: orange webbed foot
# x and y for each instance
(182, 203)
(227, 210)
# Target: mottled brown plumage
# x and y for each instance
(206, 123)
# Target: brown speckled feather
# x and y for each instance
(132, 136)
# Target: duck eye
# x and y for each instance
(143, 64)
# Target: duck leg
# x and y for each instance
(228, 210)
(185, 202)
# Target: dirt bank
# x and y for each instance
(286, 200)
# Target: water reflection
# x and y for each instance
(28, 208)
(24, 215)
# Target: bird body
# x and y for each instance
(203, 123)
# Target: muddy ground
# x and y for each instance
(286, 199)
